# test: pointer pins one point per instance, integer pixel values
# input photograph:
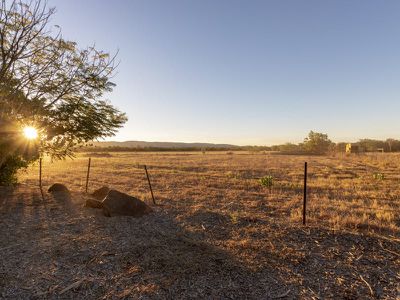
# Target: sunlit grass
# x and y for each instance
(343, 192)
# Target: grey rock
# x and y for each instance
(93, 203)
(101, 193)
(58, 187)
(117, 203)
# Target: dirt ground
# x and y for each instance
(216, 233)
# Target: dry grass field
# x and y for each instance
(217, 233)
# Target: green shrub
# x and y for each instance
(234, 217)
(267, 181)
(9, 169)
(231, 174)
(379, 176)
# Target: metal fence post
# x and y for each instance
(87, 175)
(148, 180)
(305, 194)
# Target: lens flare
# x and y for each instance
(30, 132)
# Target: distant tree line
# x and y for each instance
(370, 145)
(170, 149)
(319, 143)
(315, 143)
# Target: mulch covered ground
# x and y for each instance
(55, 249)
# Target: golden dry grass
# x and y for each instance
(217, 232)
(342, 190)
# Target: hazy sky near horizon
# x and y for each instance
(247, 72)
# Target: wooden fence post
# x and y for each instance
(305, 194)
(148, 180)
(87, 175)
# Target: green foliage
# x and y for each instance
(10, 167)
(267, 181)
(379, 176)
(317, 143)
(15, 152)
(234, 217)
(232, 175)
(289, 148)
(370, 145)
(314, 143)
(51, 84)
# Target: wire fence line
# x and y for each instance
(86, 174)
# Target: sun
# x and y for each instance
(30, 132)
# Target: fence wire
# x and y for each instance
(347, 189)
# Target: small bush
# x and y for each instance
(9, 169)
(379, 176)
(267, 181)
(231, 174)
(234, 217)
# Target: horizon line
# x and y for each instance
(239, 144)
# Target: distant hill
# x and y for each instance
(160, 145)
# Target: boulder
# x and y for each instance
(101, 193)
(93, 203)
(58, 187)
(117, 203)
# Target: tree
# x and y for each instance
(317, 143)
(290, 148)
(390, 143)
(370, 145)
(341, 147)
(51, 84)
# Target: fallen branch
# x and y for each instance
(369, 286)
(282, 295)
(387, 250)
(72, 286)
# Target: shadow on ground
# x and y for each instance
(56, 248)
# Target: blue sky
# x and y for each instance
(247, 72)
